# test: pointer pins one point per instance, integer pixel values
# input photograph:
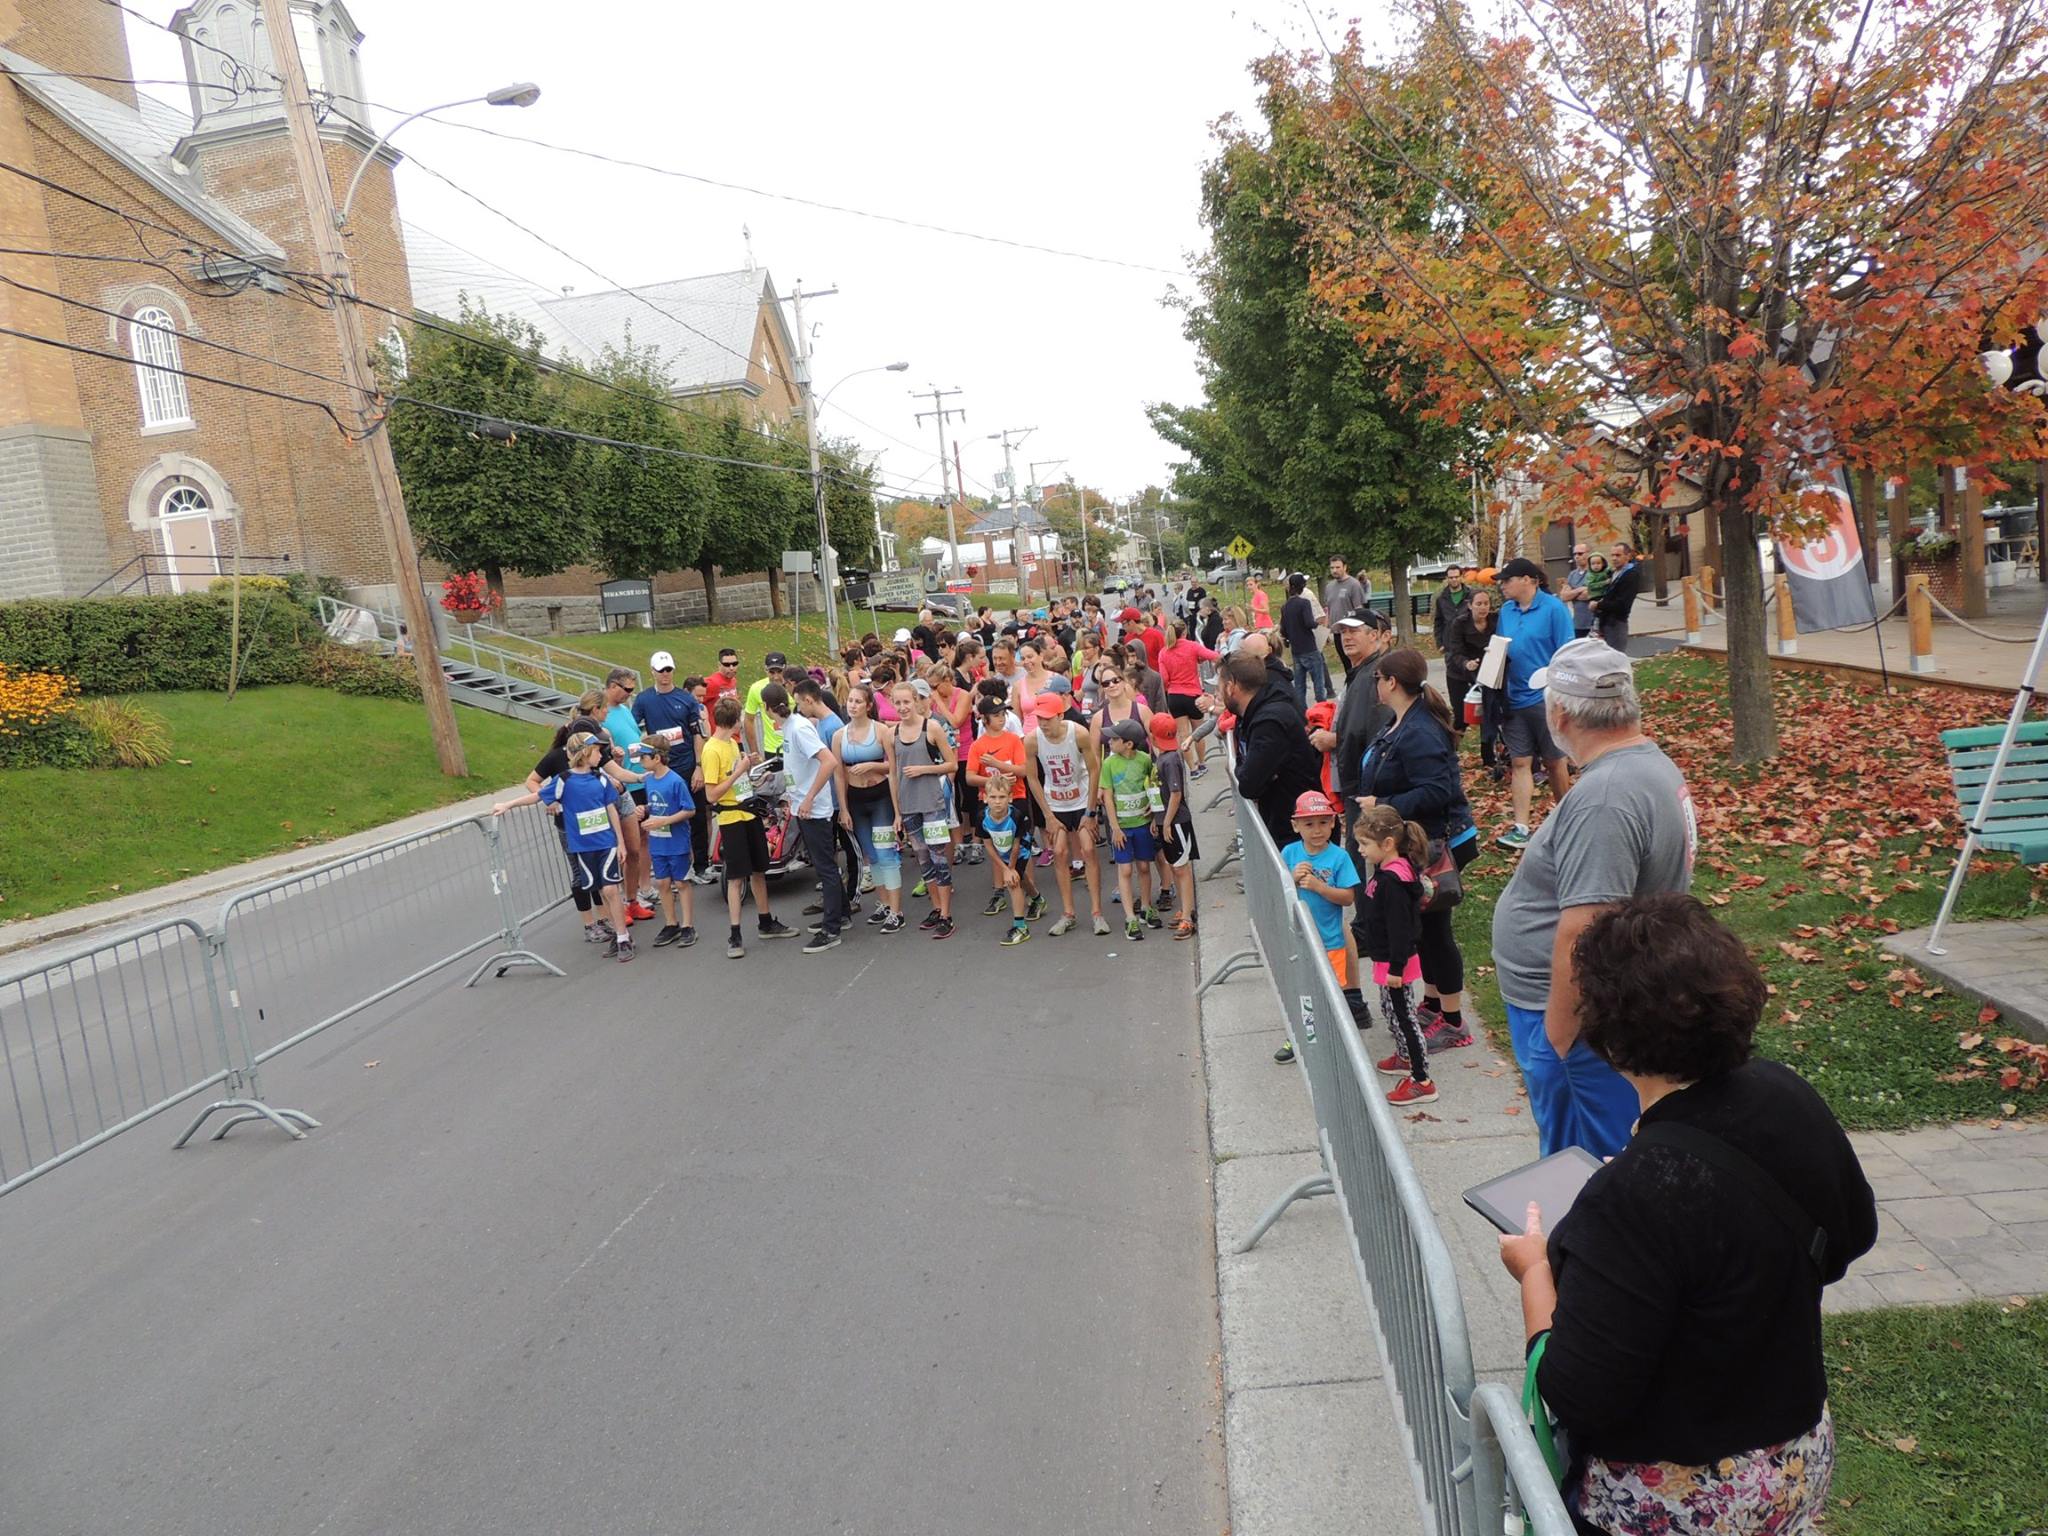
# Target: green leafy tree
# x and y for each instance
(648, 511)
(1308, 443)
(478, 500)
(757, 508)
(850, 491)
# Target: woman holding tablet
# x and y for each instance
(1676, 1308)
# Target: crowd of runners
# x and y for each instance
(1052, 748)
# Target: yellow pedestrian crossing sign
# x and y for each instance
(1240, 548)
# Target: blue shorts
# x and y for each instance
(593, 869)
(671, 862)
(1139, 847)
(1576, 1100)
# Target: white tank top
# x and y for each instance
(1062, 770)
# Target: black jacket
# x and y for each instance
(1389, 918)
(1468, 642)
(1275, 763)
(1621, 595)
(1298, 624)
(1414, 768)
(1360, 718)
(1688, 1320)
(1444, 613)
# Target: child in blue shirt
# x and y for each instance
(667, 830)
(590, 824)
(1326, 879)
(1010, 841)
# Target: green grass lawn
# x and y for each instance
(1846, 837)
(275, 769)
(1938, 1415)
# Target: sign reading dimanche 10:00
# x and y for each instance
(898, 586)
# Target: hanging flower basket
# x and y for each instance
(468, 598)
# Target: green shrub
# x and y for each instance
(362, 673)
(124, 733)
(60, 743)
(159, 644)
(252, 584)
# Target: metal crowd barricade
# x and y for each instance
(1466, 1479)
(104, 1038)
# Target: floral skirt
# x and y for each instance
(1779, 1490)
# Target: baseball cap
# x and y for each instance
(1313, 802)
(775, 659)
(661, 661)
(989, 705)
(1163, 728)
(899, 637)
(1128, 730)
(1586, 669)
(1050, 705)
(920, 687)
(1058, 683)
(1521, 565)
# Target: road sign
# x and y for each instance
(898, 588)
(798, 562)
(1005, 585)
(1239, 548)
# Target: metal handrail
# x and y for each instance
(462, 644)
(167, 567)
(556, 659)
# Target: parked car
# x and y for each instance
(951, 605)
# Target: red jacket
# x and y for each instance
(1323, 717)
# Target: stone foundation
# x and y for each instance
(541, 617)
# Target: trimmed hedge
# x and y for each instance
(158, 644)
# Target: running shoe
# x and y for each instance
(1134, 930)
(917, 889)
(1198, 770)
(878, 917)
(1153, 919)
(867, 882)
(1427, 1012)
(1286, 1051)
(1184, 929)
(1064, 925)
(686, 938)
(646, 898)
(705, 877)
(1045, 858)
(1514, 837)
(1077, 866)
(853, 909)
(1101, 925)
(775, 928)
(599, 932)
(943, 928)
(820, 942)
(668, 935)
(733, 947)
(640, 912)
(932, 919)
(998, 904)
(1409, 1091)
(1018, 934)
(625, 949)
(1395, 1065)
(1034, 909)
(895, 922)
(812, 909)
(1441, 1036)
(1165, 901)
(971, 854)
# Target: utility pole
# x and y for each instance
(959, 501)
(826, 565)
(939, 413)
(317, 194)
(1038, 500)
(1158, 541)
(1010, 489)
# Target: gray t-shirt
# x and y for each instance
(1342, 597)
(1626, 829)
(801, 745)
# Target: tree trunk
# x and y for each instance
(494, 578)
(709, 572)
(1404, 620)
(774, 594)
(1749, 663)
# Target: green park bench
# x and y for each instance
(2016, 821)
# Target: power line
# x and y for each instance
(807, 202)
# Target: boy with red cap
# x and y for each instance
(998, 752)
(1327, 881)
(1177, 849)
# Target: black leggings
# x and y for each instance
(1410, 1046)
(1443, 963)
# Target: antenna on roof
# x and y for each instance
(747, 235)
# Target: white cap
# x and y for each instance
(899, 637)
(661, 661)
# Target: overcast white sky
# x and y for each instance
(1082, 125)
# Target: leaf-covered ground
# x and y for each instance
(1846, 836)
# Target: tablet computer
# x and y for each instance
(1553, 1183)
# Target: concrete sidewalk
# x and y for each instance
(200, 897)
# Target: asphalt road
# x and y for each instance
(909, 1237)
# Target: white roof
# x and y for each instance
(141, 138)
(701, 327)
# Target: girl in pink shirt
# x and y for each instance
(1180, 662)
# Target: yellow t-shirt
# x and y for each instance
(721, 759)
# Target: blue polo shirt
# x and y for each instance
(1534, 635)
(678, 709)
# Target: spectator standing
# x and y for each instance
(1612, 613)
(1537, 626)
(1343, 594)
(1276, 766)
(1673, 1317)
(1470, 633)
(1413, 766)
(1627, 829)
(1262, 609)
(1362, 638)
(1577, 591)
(1298, 629)
(1450, 601)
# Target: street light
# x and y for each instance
(523, 94)
(826, 564)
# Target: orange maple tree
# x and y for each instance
(1769, 236)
